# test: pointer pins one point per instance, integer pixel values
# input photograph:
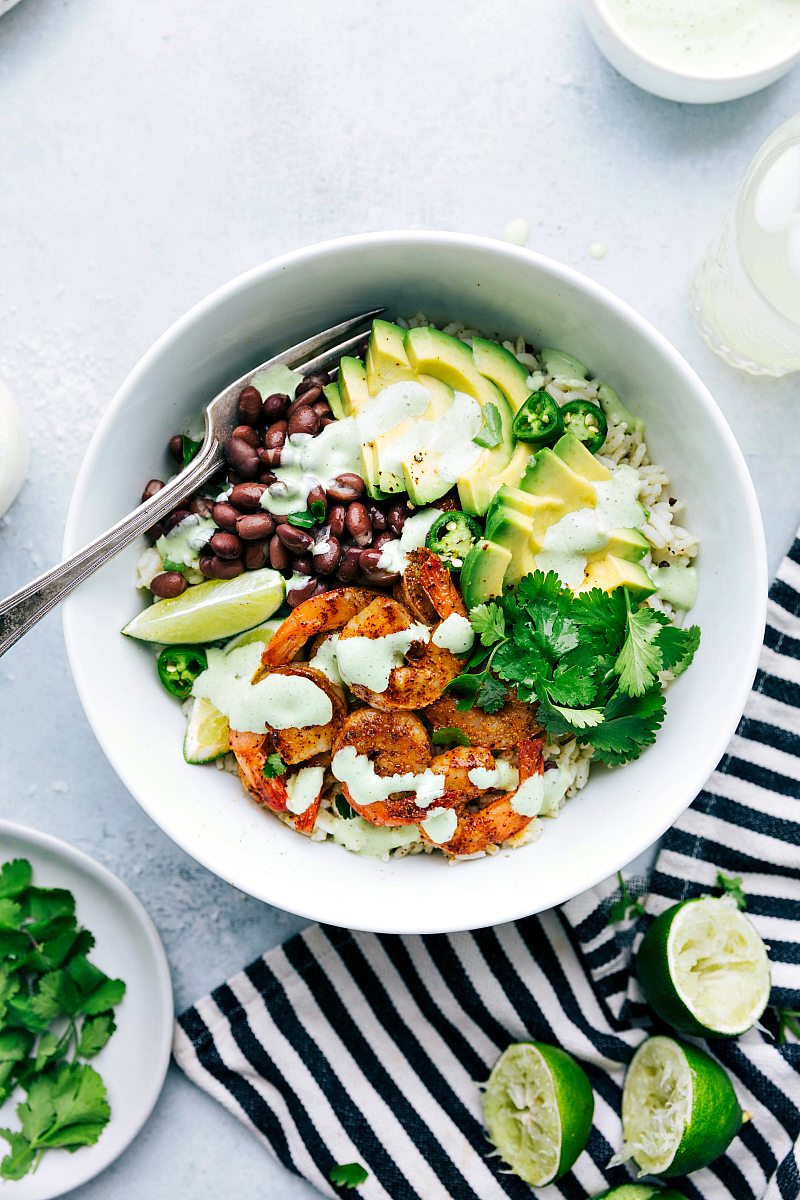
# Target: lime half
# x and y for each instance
(704, 968)
(207, 733)
(640, 1191)
(538, 1107)
(679, 1109)
(261, 633)
(211, 611)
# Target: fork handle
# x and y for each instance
(20, 611)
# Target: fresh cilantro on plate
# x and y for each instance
(592, 662)
(349, 1175)
(55, 1009)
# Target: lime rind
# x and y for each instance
(207, 733)
(640, 1191)
(704, 968)
(538, 1107)
(211, 611)
(262, 633)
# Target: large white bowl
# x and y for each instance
(500, 289)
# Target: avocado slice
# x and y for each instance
(482, 574)
(676, 585)
(505, 371)
(615, 410)
(431, 352)
(573, 452)
(548, 475)
(611, 572)
(353, 390)
(332, 395)
(387, 361)
(561, 365)
(475, 492)
(629, 544)
(512, 530)
(539, 513)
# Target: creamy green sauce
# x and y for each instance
(280, 701)
(529, 796)
(454, 634)
(303, 788)
(504, 777)
(384, 412)
(556, 785)
(440, 825)
(183, 544)
(325, 659)
(367, 787)
(374, 841)
(394, 555)
(307, 462)
(278, 379)
(370, 661)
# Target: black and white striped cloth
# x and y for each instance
(349, 1047)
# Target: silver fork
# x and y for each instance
(20, 611)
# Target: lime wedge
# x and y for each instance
(640, 1191)
(211, 611)
(207, 733)
(704, 968)
(261, 633)
(538, 1107)
(679, 1109)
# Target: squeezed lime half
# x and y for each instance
(640, 1191)
(207, 733)
(211, 611)
(704, 968)
(538, 1108)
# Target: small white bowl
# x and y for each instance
(498, 288)
(670, 84)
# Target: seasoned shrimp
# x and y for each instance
(497, 821)
(499, 731)
(456, 765)
(251, 751)
(296, 745)
(428, 669)
(427, 589)
(397, 744)
(321, 614)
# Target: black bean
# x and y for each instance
(336, 516)
(270, 458)
(226, 545)
(255, 526)
(327, 562)
(368, 564)
(326, 421)
(297, 595)
(304, 564)
(322, 586)
(268, 477)
(246, 433)
(275, 436)
(250, 405)
(294, 539)
(155, 485)
(348, 568)
(377, 516)
(396, 517)
(176, 447)
(275, 406)
(305, 420)
(318, 378)
(279, 556)
(322, 409)
(202, 506)
(225, 515)
(357, 523)
(256, 555)
(316, 497)
(382, 538)
(346, 487)
(225, 568)
(168, 585)
(242, 457)
(309, 388)
(205, 565)
(175, 517)
(247, 495)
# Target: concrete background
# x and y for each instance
(150, 151)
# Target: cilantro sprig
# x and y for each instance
(590, 661)
(491, 431)
(273, 767)
(55, 1009)
(348, 1175)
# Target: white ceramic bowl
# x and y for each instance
(670, 84)
(499, 288)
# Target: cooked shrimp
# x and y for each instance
(428, 669)
(497, 821)
(397, 744)
(499, 731)
(456, 765)
(296, 745)
(251, 751)
(427, 589)
(321, 614)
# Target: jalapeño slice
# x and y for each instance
(539, 420)
(450, 537)
(587, 422)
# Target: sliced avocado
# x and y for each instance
(387, 361)
(561, 365)
(352, 381)
(548, 475)
(539, 513)
(432, 352)
(501, 367)
(483, 572)
(390, 473)
(331, 393)
(615, 410)
(611, 572)
(676, 585)
(422, 479)
(629, 544)
(512, 530)
(476, 494)
(573, 452)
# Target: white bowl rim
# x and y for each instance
(749, 653)
(782, 64)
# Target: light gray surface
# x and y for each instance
(149, 152)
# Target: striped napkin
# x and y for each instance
(350, 1047)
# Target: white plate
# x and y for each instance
(135, 1061)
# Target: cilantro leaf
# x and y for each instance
(10, 915)
(631, 723)
(450, 735)
(95, 1032)
(489, 622)
(52, 998)
(273, 767)
(20, 1158)
(168, 565)
(303, 520)
(640, 658)
(15, 877)
(572, 685)
(188, 449)
(66, 1107)
(94, 991)
(344, 808)
(491, 432)
(731, 885)
(678, 647)
(628, 905)
(492, 695)
(348, 1175)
